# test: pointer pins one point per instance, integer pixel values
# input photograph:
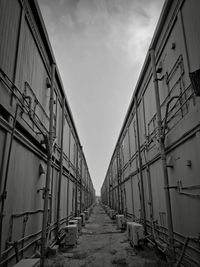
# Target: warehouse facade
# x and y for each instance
(44, 174)
(153, 176)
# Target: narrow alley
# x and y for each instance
(101, 244)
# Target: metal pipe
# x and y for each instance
(61, 168)
(132, 200)
(118, 177)
(4, 194)
(163, 161)
(81, 180)
(140, 168)
(68, 174)
(49, 163)
(76, 183)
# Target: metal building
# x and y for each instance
(153, 176)
(44, 177)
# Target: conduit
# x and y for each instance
(49, 144)
(163, 160)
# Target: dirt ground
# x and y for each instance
(100, 244)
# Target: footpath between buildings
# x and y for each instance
(100, 244)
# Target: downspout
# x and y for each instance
(4, 193)
(49, 163)
(132, 200)
(81, 180)
(140, 168)
(61, 168)
(118, 188)
(68, 178)
(76, 183)
(163, 160)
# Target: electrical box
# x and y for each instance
(71, 234)
(120, 221)
(135, 233)
(79, 220)
(28, 263)
(83, 218)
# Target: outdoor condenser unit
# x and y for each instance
(71, 234)
(120, 221)
(135, 233)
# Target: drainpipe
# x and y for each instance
(81, 180)
(4, 193)
(76, 184)
(61, 168)
(140, 169)
(118, 186)
(164, 163)
(132, 200)
(68, 178)
(49, 163)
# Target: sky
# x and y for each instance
(100, 47)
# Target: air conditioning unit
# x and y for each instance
(120, 221)
(83, 218)
(79, 220)
(28, 263)
(71, 234)
(135, 233)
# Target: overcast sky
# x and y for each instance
(99, 46)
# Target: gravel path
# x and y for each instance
(100, 244)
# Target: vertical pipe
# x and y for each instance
(68, 178)
(118, 181)
(81, 179)
(76, 183)
(132, 200)
(61, 167)
(140, 168)
(163, 160)
(49, 163)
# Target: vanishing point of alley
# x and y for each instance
(101, 244)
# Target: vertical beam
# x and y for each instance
(140, 168)
(49, 163)
(61, 167)
(163, 160)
